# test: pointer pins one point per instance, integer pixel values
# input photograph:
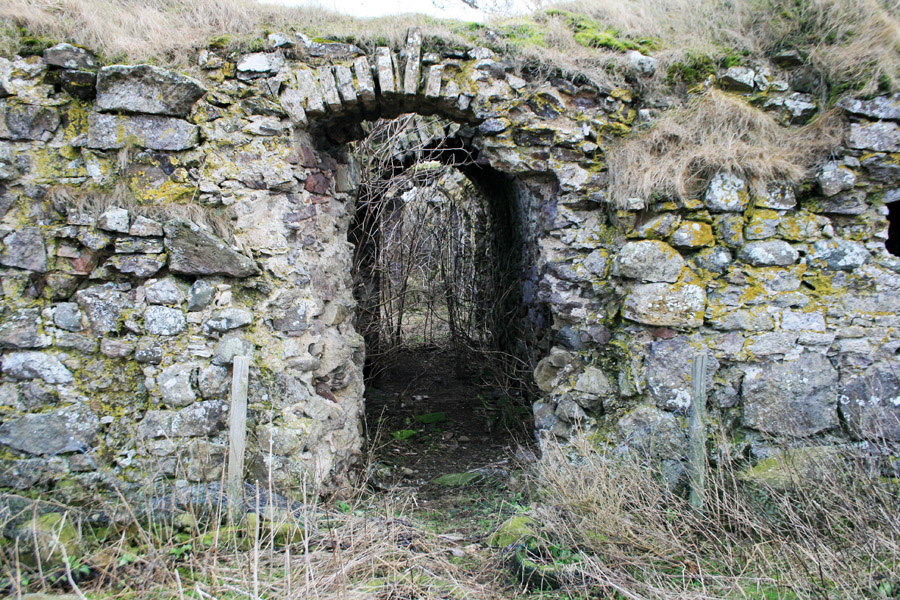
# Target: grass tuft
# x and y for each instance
(716, 132)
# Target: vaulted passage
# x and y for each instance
(438, 269)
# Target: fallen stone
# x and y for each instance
(738, 79)
(793, 398)
(641, 64)
(146, 89)
(48, 540)
(36, 365)
(107, 132)
(193, 251)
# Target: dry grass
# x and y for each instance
(855, 43)
(716, 132)
(828, 531)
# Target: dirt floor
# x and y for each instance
(437, 434)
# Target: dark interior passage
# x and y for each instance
(438, 279)
(893, 241)
(429, 417)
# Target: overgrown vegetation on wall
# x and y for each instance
(854, 44)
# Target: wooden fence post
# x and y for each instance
(698, 459)
(237, 437)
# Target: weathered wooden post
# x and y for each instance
(237, 437)
(697, 460)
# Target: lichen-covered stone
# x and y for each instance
(727, 193)
(648, 260)
(202, 418)
(115, 219)
(838, 254)
(229, 347)
(28, 122)
(693, 234)
(67, 315)
(679, 305)
(146, 89)
(881, 136)
(21, 329)
(110, 132)
(193, 251)
(226, 319)
(68, 56)
(793, 397)
(778, 197)
(103, 305)
(763, 225)
(772, 252)
(880, 107)
(668, 373)
(70, 429)
(738, 79)
(729, 230)
(145, 227)
(163, 320)
(25, 249)
(139, 265)
(835, 177)
(870, 403)
(714, 260)
(36, 365)
(200, 295)
(174, 385)
(163, 291)
(655, 435)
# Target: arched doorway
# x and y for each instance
(440, 262)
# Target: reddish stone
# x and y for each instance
(663, 333)
(318, 183)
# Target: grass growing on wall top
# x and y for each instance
(855, 44)
(684, 149)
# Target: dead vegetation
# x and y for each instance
(825, 527)
(855, 44)
(685, 148)
(807, 524)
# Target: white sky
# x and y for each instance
(449, 9)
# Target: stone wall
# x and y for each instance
(156, 225)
